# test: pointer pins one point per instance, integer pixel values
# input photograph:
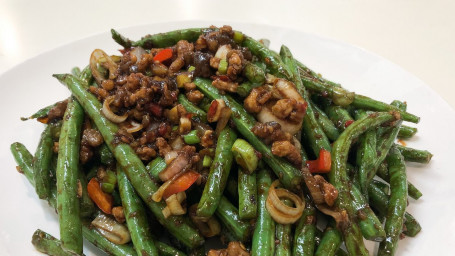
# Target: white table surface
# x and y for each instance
(418, 35)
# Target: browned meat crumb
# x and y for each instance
(257, 97)
(225, 85)
(286, 149)
(58, 110)
(195, 96)
(235, 248)
(329, 192)
(270, 132)
(235, 64)
(119, 214)
(163, 146)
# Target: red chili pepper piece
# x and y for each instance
(163, 55)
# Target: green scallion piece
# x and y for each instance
(156, 166)
(245, 155)
(238, 37)
(191, 138)
(222, 68)
(191, 68)
(207, 161)
(110, 177)
(107, 187)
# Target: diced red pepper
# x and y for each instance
(321, 165)
(348, 123)
(182, 183)
(224, 78)
(163, 55)
(156, 109)
(212, 109)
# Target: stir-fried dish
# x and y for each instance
(199, 133)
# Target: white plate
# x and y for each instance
(29, 86)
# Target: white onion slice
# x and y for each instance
(135, 127)
(107, 112)
(280, 212)
(111, 229)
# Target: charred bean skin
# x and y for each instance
(263, 243)
(339, 178)
(136, 217)
(415, 155)
(49, 245)
(219, 172)
(397, 202)
(304, 236)
(68, 205)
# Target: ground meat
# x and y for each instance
(215, 62)
(208, 139)
(159, 69)
(195, 96)
(100, 93)
(201, 62)
(92, 138)
(234, 249)
(270, 132)
(185, 50)
(329, 192)
(85, 154)
(220, 37)
(286, 149)
(257, 97)
(235, 64)
(163, 146)
(58, 110)
(189, 86)
(146, 153)
(118, 213)
(289, 109)
(176, 65)
(225, 85)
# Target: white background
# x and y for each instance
(418, 35)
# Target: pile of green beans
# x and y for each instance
(368, 168)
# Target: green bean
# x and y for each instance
(342, 97)
(121, 40)
(272, 60)
(167, 250)
(368, 222)
(248, 196)
(219, 172)
(366, 156)
(263, 243)
(87, 207)
(289, 176)
(67, 177)
(415, 155)
(24, 160)
(170, 38)
(382, 185)
(245, 88)
(49, 245)
(380, 201)
(191, 108)
(330, 242)
(339, 116)
(75, 71)
(155, 167)
(339, 178)
(283, 234)
(40, 113)
(42, 163)
(406, 132)
(310, 127)
(397, 202)
(135, 216)
(86, 75)
(254, 73)
(413, 192)
(229, 217)
(304, 236)
(326, 124)
(94, 237)
(131, 164)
